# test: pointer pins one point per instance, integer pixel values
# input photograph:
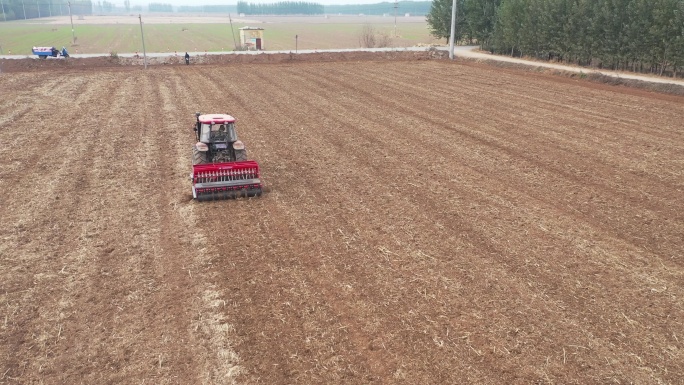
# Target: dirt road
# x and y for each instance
(427, 222)
(473, 53)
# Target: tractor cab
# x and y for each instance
(217, 132)
(216, 128)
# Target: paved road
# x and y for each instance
(459, 51)
(166, 54)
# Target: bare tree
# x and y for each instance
(367, 39)
(383, 39)
(371, 38)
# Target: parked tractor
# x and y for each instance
(220, 169)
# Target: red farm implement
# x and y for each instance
(220, 167)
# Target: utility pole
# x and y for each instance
(453, 30)
(73, 37)
(231, 31)
(143, 41)
(24, 7)
(296, 38)
(38, 6)
(3, 10)
(396, 5)
(50, 8)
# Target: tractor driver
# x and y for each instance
(218, 131)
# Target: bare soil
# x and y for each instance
(121, 62)
(427, 222)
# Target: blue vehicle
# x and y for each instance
(45, 52)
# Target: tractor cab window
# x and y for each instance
(218, 132)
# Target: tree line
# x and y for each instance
(105, 6)
(45, 8)
(28, 9)
(207, 9)
(635, 35)
(280, 8)
(159, 7)
(19, 9)
(385, 8)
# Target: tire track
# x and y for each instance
(210, 328)
(279, 302)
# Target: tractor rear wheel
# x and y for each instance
(198, 157)
(240, 155)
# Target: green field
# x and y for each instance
(18, 37)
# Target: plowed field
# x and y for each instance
(426, 222)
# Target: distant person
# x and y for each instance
(64, 52)
(187, 58)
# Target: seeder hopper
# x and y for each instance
(220, 167)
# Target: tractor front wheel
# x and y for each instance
(198, 157)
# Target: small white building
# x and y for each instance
(252, 38)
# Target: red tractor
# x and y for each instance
(220, 169)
